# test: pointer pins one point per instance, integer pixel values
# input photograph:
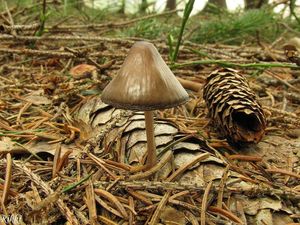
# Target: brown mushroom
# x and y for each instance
(145, 83)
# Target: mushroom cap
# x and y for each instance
(144, 82)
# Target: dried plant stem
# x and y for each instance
(8, 174)
(238, 65)
(66, 38)
(257, 190)
(59, 54)
(18, 27)
(112, 25)
(89, 26)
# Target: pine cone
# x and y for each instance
(233, 107)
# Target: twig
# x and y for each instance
(32, 52)
(90, 26)
(8, 29)
(7, 183)
(60, 54)
(112, 25)
(257, 190)
(68, 38)
(229, 64)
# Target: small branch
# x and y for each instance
(230, 64)
(90, 26)
(8, 175)
(8, 29)
(254, 190)
(38, 52)
(61, 54)
(68, 38)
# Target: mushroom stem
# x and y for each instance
(151, 148)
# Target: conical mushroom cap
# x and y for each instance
(144, 82)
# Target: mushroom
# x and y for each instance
(145, 83)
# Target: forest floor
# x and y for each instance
(67, 158)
